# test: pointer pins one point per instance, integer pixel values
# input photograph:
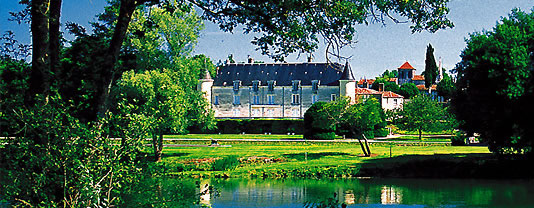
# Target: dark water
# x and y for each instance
(353, 193)
(372, 193)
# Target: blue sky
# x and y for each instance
(379, 47)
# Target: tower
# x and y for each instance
(406, 73)
(347, 83)
(205, 84)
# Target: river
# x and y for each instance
(353, 193)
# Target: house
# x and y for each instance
(388, 100)
(275, 90)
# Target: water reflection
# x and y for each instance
(374, 193)
(390, 195)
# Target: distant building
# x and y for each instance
(275, 90)
(388, 100)
(407, 75)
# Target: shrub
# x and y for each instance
(458, 139)
(317, 125)
(383, 132)
(226, 163)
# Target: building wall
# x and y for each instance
(282, 107)
(389, 103)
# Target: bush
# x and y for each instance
(383, 132)
(458, 139)
(321, 136)
(255, 126)
(317, 125)
(226, 163)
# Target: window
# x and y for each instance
(256, 85)
(256, 112)
(216, 100)
(235, 113)
(270, 112)
(237, 83)
(295, 84)
(315, 98)
(270, 99)
(315, 86)
(270, 85)
(333, 97)
(295, 99)
(236, 100)
(256, 100)
(395, 101)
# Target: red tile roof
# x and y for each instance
(366, 91)
(418, 77)
(406, 65)
(370, 81)
(390, 94)
(422, 87)
(393, 79)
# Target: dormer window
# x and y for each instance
(315, 86)
(237, 83)
(256, 85)
(295, 84)
(270, 85)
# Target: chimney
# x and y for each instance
(310, 59)
(250, 60)
(381, 87)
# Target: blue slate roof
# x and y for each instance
(282, 73)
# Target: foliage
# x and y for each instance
(13, 85)
(226, 163)
(408, 90)
(317, 122)
(164, 105)
(424, 114)
(446, 87)
(390, 74)
(458, 139)
(495, 85)
(431, 70)
(388, 86)
(59, 161)
(358, 119)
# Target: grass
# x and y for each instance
(295, 157)
(233, 136)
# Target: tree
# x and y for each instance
(343, 118)
(408, 90)
(317, 123)
(162, 103)
(431, 70)
(388, 86)
(446, 87)
(423, 114)
(495, 85)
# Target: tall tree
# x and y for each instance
(431, 70)
(495, 85)
(446, 86)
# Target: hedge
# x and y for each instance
(256, 126)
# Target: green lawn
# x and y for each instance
(233, 136)
(295, 155)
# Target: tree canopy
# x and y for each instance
(424, 114)
(495, 85)
(408, 90)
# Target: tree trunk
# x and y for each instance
(157, 142)
(109, 70)
(39, 81)
(55, 12)
(367, 146)
(420, 134)
(365, 153)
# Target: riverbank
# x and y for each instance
(289, 159)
